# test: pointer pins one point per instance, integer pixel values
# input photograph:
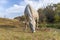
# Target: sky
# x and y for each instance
(14, 8)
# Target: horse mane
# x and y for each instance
(30, 10)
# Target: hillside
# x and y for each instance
(4, 22)
(12, 29)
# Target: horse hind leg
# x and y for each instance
(37, 24)
(25, 27)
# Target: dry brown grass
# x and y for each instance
(18, 33)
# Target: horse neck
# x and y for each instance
(31, 11)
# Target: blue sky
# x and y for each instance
(13, 8)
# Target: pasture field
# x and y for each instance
(13, 30)
(19, 34)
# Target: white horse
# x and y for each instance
(31, 16)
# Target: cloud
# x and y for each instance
(15, 9)
(35, 4)
(18, 10)
(40, 3)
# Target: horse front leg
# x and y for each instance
(32, 26)
(25, 28)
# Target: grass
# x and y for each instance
(13, 30)
(4, 22)
(50, 25)
(12, 34)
